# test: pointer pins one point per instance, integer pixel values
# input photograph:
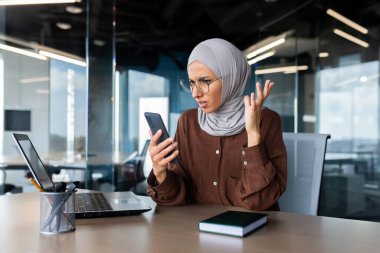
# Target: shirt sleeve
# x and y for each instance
(176, 189)
(169, 192)
(264, 168)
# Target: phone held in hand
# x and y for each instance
(155, 123)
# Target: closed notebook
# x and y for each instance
(234, 223)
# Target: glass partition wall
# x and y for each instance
(334, 90)
(348, 108)
(325, 70)
(43, 91)
(325, 82)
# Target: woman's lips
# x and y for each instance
(202, 104)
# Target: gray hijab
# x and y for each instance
(229, 63)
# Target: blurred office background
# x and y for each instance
(77, 77)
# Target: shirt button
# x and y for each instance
(215, 183)
(245, 162)
(243, 152)
(217, 151)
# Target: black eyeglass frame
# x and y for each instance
(185, 85)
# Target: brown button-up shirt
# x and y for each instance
(222, 170)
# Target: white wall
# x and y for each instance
(156, 104)
(32, 96)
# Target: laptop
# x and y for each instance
(88, 205)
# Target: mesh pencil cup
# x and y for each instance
(57, 212)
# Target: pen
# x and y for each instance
(31, 179)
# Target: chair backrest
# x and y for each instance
(131, 172)
(139, 161)
(146, 163)
(306, 155)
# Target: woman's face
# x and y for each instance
(210, 101)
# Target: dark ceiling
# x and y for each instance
(148, 28)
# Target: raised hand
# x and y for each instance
(253, 105)
(158, 153)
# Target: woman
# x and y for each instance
(230, 150)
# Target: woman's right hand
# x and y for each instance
(158, 152)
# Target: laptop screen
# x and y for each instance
(34, 162)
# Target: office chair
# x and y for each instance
(144, 169)
(133, 177)
(306, 155)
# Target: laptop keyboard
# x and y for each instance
(91, 202)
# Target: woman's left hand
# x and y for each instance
(253, 107)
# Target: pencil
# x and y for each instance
(31, 179)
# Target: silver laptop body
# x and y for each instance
(103, 204)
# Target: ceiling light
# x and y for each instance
(63, 25)
(27, 2)
(323, 54)
(309, 118)
(347, 21)
(267, 44)
(35, 79)
(63, 58)
(261, 57)
(363, 79)
(287, 69)
(265, 48)
(74, 9)
(351, 38)
(42, 91)
(22, 51)
(99, 43)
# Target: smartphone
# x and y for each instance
(155, 123)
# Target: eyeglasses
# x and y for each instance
(202, 84)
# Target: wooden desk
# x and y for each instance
(175, 229)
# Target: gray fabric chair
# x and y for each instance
(306, 155)
(144, 168)
(132, 176)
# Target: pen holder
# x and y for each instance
(57, 213)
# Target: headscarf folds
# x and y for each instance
(229, 63)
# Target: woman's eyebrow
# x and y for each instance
(200, 77)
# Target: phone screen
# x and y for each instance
(155, 123)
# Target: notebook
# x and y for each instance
(88, 205)
(234, 223)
